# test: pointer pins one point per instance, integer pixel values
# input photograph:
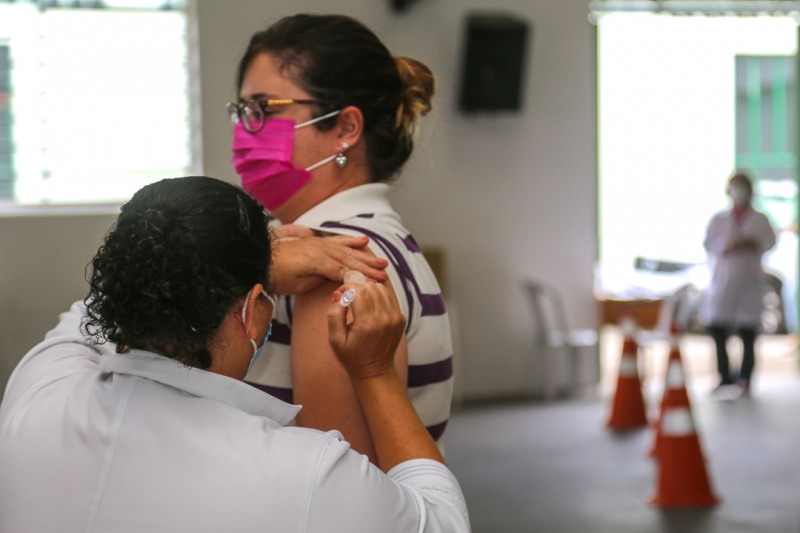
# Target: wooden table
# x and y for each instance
(643, 311)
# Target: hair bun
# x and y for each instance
(418, 89)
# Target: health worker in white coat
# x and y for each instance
(154, 429)
(736, 239)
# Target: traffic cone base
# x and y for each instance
(682, 477)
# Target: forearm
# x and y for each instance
(715, 243)
(397, 432)
(302, 263)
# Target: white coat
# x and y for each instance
(95, 441)
(738, 281)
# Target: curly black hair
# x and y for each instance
(178, 257)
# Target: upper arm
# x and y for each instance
(320, 383)
(418, 495)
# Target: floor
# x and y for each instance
(555, 467)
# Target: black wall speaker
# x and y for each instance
(493, 63)
(401, 5)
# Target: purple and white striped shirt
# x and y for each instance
(365, 210)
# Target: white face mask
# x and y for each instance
(258, 349)
(739, 195)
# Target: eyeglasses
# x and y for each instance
(254, 113)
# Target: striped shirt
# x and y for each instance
(365, 210)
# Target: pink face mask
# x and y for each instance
(263, 160)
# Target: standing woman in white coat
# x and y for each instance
(736, 240)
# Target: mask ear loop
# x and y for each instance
(273, 301)
(341, 159)
(320, 163)
(315, 120)
(244, 315)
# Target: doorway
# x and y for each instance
(683, 101)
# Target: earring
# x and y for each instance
(341, 159)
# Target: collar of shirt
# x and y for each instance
(200, 383)
(367, 199)
(739, 213)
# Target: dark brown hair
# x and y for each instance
(339, 61)
(741, 177)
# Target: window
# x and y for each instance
(94, 99)
(766, 115)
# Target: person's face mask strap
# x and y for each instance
(315, 120)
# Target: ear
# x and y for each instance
(350, 125)
(251, 312)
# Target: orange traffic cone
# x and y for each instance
(682, 477)
(628, 410)
(674, 381)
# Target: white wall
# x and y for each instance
(42, 261)
(505, 198)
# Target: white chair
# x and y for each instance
(674, 309)
(566, 353)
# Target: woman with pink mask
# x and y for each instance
(325, 119)
(736, 239)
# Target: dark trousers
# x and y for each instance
(748, 335)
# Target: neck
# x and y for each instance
(319, 189)
(230, 349)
